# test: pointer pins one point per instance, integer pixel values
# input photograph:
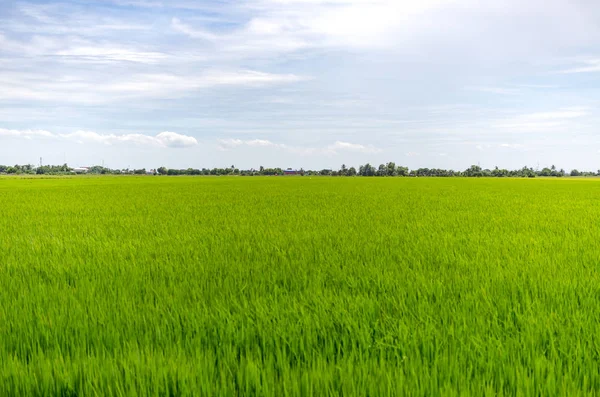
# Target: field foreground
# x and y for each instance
(299, 286)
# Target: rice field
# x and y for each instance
(155, 286)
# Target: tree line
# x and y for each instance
(383, 170)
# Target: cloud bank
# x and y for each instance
(333, 149)
(165, 139)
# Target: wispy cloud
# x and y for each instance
(186, 29)
(567, 113)
(354, 147)
(588, 66)
(512, 145)
(287, 26)
(496, 90)
(27, 134)
(165, 139)
(543, 121)
(76, 49)
(106, 54)
(227, 144)
(55, 87)
(335, 148)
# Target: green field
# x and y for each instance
(298, 286)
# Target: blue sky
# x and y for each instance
(300, 83)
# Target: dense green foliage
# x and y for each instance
(389, 169)
(299, 286)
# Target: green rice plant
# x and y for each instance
(142, 286)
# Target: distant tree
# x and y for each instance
(367, 170)
(500, 173)
(98, 170)
(473, 171)
(422, 172)
(527, 172)
(390, 169)
(402, 171)
(343, 170)
(387, 169)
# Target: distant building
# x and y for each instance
(81, 170)
(290, 171)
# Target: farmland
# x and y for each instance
(299, 286)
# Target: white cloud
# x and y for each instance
(257, 37)
(262, 143)
(589, 66)
(63, 17)
(28, 134)
(73, 48)
(139, 3)
(543, 121)
(100, 53)
(286, 26)
(164, 139)
(354, 147)
(511, 145)
(227, 144)
(66, 88)
(496, 90)
(174, 140)
(243, 77)
(568, 113)
(345, 23)
(186, 29)
(172, 4)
